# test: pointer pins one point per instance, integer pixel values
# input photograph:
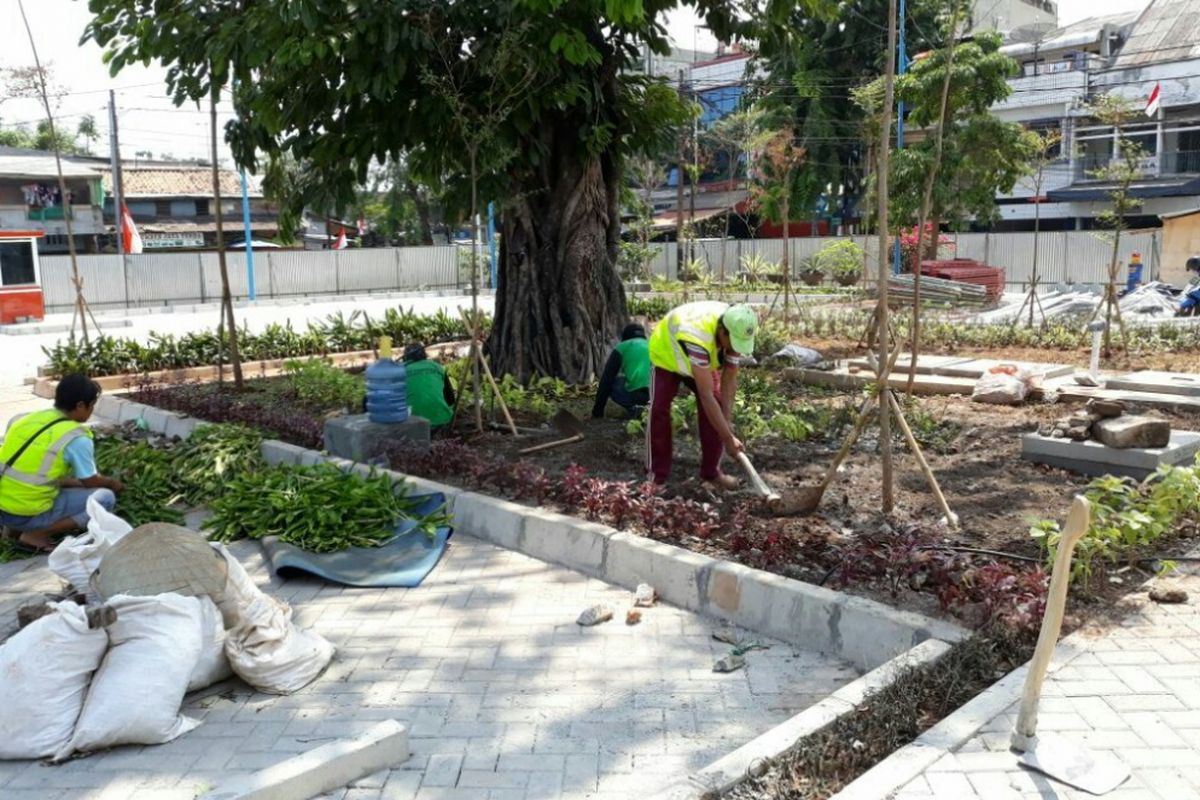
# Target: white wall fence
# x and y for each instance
(1063, 256)
(157, 279)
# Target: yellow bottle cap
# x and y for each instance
(385, 347)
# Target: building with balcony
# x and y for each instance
(1123, 55)
(31, 200)
(172, 205)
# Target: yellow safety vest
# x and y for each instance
(29, 486)
(694, 323)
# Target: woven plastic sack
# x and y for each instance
(45, 670)
(213, 665)
(136, 694)
(264, 646)
(76, 557)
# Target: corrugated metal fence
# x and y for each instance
(1063, 256)
(156, 279)
(175, 278)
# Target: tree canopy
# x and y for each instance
(982, 156)
(340, 86)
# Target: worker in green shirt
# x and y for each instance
(626, 378)
(430, 394)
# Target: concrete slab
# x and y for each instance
(358, 439)
(1093, 458)
(1070, 391)
(841, 379)
(965, 367)
(1182, 383)
(322, 769)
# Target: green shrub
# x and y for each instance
(321, 385)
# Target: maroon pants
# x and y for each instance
(663, 388)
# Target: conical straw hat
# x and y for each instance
(158, 558)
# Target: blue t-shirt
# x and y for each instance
(80, 456)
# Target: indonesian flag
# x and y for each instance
(129, 232)
(341, 243)
(362, 226)
(1155, 100)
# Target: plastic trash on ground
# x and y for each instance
(1004, 384)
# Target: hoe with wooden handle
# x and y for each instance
(1055, 755)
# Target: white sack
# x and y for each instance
(44, 673)
(264, 647)
(212, 666)
(136, 694)
(77, 557)
(1006, 384)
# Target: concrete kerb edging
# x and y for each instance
(952, 732)
(863, 632)
(322, 769)
(877, 639)
(718, 777)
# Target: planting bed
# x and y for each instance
(973, 448)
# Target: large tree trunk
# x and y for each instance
(560, 304)
(423, 216)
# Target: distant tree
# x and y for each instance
(87, 131)
(981, 156)
(773, 191)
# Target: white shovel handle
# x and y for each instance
(759, 484)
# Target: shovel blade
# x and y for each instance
(1074, 764)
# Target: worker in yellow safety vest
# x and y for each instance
(699, 345)
(48, 469)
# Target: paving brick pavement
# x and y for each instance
(1132, 694)
(504, 695)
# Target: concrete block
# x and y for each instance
(131, 411)
(109, 406)
(276, 452)
(566, 540)
(679, 576)
(158, 419)
(311, 458)
(496, 521)
(1131, 431)
(182, 427)
(358, 439)
(323, 769)
(927, 652)
(1094, 458)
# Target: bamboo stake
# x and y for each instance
(473, 327)
(930, 478)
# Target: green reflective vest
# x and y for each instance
(694, 323)
(426, 397)
(29, 486)
(635, 363)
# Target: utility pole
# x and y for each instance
(114, 144)
(693, 178)
(251, 292)
(679, 202)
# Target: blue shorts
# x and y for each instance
(69, 503)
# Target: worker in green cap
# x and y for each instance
(699, 345)
(430, 394)
(626, 376)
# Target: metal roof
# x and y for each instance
(39, 165)
(1162, 187)
(1167, 30)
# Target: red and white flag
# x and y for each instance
(1154, 101)
(341, 243)
(129, 232)
(362, 226)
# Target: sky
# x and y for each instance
(148, 121)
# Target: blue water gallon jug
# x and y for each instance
(387, 387)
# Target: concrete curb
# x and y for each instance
(722, 774)
(877, 639)
(863, 632)
(322, 769)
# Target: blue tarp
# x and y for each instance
(403, 562)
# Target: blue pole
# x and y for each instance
(249, 243)
(492, 240)
(901, 68)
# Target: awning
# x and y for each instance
(1165, 187)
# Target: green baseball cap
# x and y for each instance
(742, 324)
